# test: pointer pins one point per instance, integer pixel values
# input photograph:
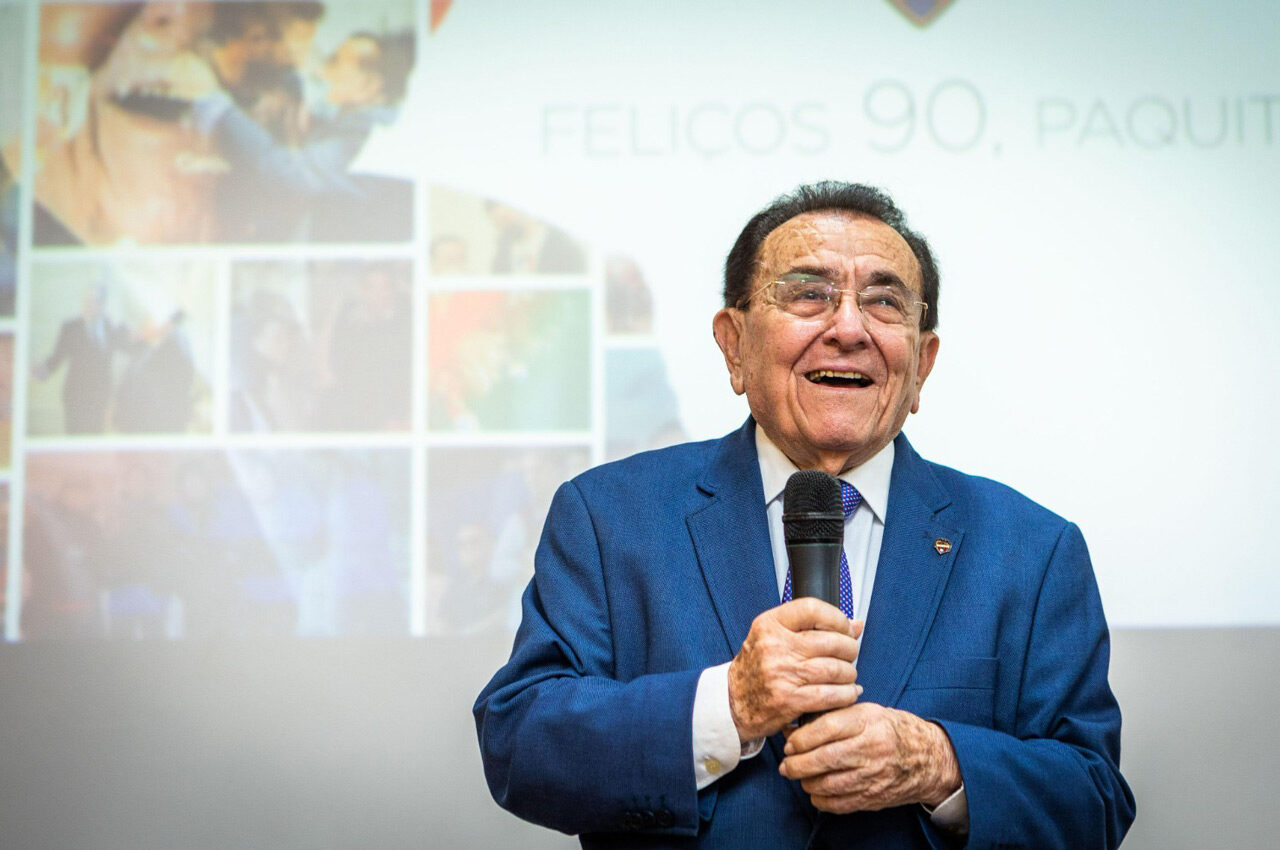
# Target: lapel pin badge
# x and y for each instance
(942, 546)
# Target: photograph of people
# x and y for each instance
(12, 29)
(200, 122)
(484, 513)
(509, 360)
(321, 346)
(477, 235)
(208, 544)
(125, 348)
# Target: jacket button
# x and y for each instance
(664, 819)
(631, 821)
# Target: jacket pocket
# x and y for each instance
(955, 688)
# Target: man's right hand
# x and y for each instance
(797, 659)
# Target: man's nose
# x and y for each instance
(847, 325)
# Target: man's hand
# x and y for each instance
(867, 757)
(797, 658)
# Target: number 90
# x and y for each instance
(955, 115)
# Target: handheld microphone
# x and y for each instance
(813, 527)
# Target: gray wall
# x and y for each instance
(370, 744)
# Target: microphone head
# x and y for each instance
(811, 509)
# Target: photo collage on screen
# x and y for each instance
(256, 385)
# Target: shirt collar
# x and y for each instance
(871, 479)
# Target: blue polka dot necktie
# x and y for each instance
(850, 498)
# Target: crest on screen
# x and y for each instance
(439, 8)
(921, 12)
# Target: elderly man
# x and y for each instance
(652, 694)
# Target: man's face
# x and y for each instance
(136, 169)
(775, 357)
(297, 40)
(350, 81)
(259, 43)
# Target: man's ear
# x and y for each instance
(727, 325)
(928, 352)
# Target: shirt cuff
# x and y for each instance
(716, 748)
(952, 814)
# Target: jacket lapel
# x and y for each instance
(731, 537)
(910, 577)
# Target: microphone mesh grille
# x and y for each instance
(811, 509)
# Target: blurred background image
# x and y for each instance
(321, 346)
(244, 544)
(13, 71)
(510, 360)
(474, 235)
(219, 121)
(120, 348)
(485, 507)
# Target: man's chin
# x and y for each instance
(161, 178)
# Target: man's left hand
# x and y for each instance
(867, 757)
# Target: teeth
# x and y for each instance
(819, 374)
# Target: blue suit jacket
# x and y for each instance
(652, 569)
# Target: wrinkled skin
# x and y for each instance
(769, 353)
(865, 757)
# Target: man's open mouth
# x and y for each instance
(159, 105)
(832, 378)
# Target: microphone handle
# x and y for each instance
(815, 571)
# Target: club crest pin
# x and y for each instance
(921, 12)
(942, 545)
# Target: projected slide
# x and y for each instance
(307, 307)
(263, 383)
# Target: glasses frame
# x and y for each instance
(746, 302)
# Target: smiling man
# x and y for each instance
(653, 692)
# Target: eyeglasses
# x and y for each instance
(811, 297)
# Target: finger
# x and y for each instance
(842, 804)
(809, 613)
(817, 644)
(826, 670)
(816, 699)
(839, 757)
(839, 783)
(847, 723)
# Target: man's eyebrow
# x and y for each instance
(827, 272)
(884, 277)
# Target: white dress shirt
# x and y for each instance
(716, 748)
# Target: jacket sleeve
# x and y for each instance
(316, 169)
(565, 744)
(61, 351)
(1055, 782)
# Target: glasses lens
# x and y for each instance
(886, 304)
(804, 295)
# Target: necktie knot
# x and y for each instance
(850, 498)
